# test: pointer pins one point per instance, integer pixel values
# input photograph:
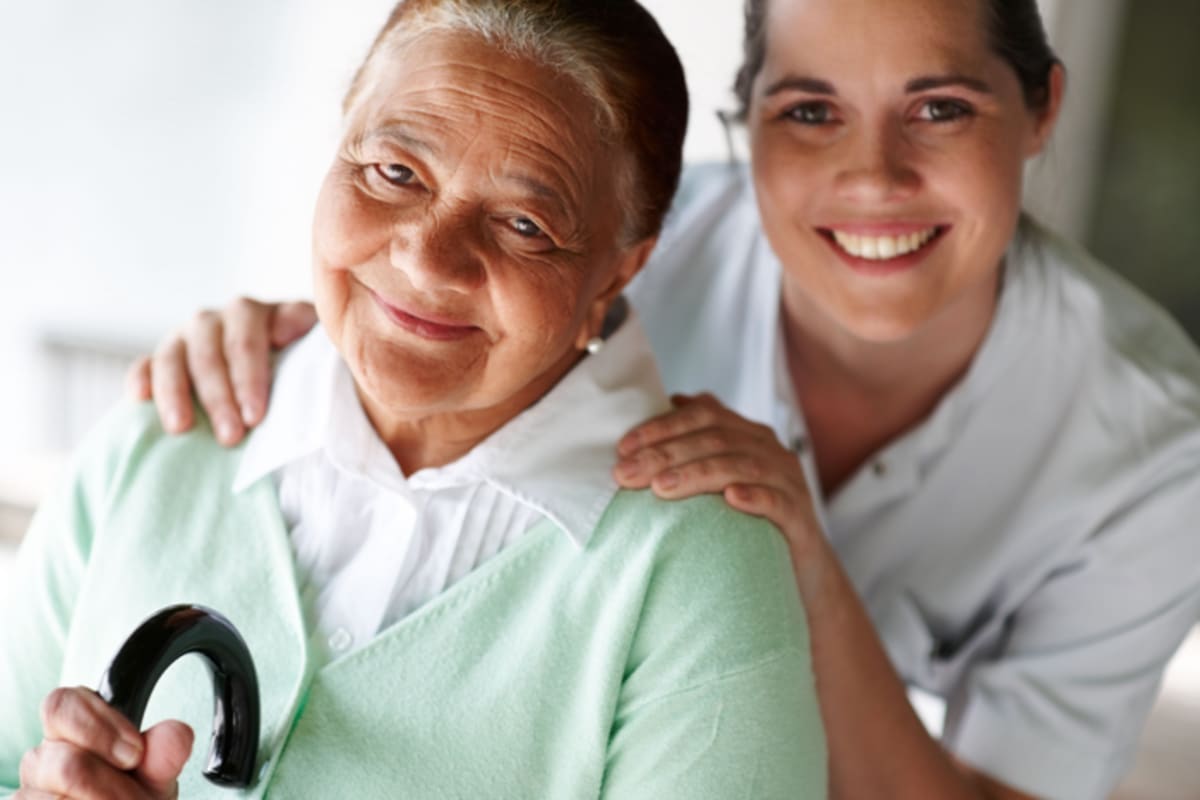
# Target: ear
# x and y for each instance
(1045, 118)
(629, 263)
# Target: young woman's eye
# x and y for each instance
(810, 113)
(944, 110)
(396, 174)
(526, 228)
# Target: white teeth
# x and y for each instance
(882, 248)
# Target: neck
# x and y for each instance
(859, 395)
(821, 353)
(438, 438)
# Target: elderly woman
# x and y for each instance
(444, 592)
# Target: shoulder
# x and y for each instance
(1133, 362)
(713, 577)
(129, 452)
(1106, 310)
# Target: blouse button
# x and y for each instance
(341, 640)
(880, 469)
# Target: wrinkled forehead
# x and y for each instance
(455, 97)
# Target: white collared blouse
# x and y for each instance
(373, 544)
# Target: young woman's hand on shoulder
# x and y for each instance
(702, 447)
(224, 357)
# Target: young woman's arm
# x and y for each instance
(878, 747)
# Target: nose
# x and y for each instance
(877, 167)
(437, 252)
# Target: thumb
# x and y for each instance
(290, 321)
(168, 746)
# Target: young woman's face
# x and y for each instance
(888, 142)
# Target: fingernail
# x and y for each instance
(174, 421)
(126, 755)
(627, 445)
(627, 469)
(247, 414)
(668, 480)
(226, 429)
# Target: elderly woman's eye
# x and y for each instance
(396, 173)
(814, 113)
(944, 110)
(526, 227)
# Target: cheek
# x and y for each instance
(347, 231)
(786, 178)
(542, 308)
(986, 177)
(348, 228)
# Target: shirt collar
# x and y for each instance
(556, 456)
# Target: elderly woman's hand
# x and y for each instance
(91, 750)
(227, 356)
(702, 447)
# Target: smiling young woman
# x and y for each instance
(982, 447)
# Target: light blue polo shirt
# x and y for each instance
(1030, 552)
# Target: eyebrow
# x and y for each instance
(400, 135)
(800, 83)
(925, 83)
(541, 190)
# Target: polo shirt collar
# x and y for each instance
(555, 457)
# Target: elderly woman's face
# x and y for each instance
(466, 237)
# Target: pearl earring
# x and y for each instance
(595, 345)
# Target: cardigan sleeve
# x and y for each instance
(718, 699)
(35, 614)
(37, 606)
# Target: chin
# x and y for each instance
(882, 323)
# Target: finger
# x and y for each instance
(291, 321)
(79, 716)
(638, 470)
(206, 363)
(760, 501)
(712, 474)
(695, 413)
(168, 746)
(171, 387)
(247, 348)
(62, 769)
(137, 379)
(791, 511)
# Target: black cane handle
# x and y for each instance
(156, 645)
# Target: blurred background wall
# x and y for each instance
(161, 155)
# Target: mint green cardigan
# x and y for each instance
(667, 659)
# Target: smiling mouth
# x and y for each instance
(883, 248)
(427, 326)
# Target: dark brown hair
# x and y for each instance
(613, 49)
(1015, 31)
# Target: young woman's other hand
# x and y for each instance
(225, 357)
